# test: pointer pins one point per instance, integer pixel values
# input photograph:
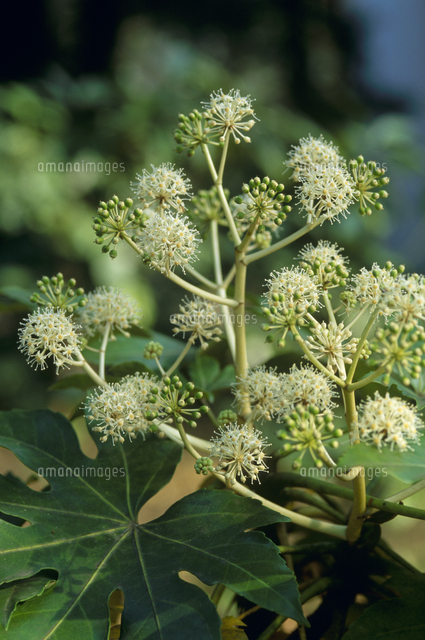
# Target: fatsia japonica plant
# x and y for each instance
(273, 527)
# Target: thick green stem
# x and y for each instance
(367, 379)
(102, 351)
(294, 480)
(241, 362)
(356, 519)
(228, 327)
(218, 181)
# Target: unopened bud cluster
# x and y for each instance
(307, 428)
(266, 203)
(369, 180)
(113, 219)
(55, 293)
(175, 400)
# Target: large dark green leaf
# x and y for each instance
(407, 466)
(205, 373)
(395, 619)
(85, 528)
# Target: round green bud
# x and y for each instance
(113, 253)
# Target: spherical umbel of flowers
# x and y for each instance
(164, 188)
(332, 341)
(300, 291)
(118, 409)
(406, 300)
(375, 287)
(228, 112)
(306, 429)
(262, 388)
(304, 386)
(109, 307)
(388, 422)
(49, 333)
(292, 295)
(169, 241)
(240, 452)
(198, 317)
(326, 194)
(313, 155)
(324, 261)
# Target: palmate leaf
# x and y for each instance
(400, 618)
(407, 466)
(85, 529)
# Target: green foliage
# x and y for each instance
(207, 376)
(85, 528)
(407, 466)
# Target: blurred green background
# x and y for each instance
(95, 82)
(104, 84)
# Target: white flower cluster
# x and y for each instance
(169, 241)
(327, 194)
(240, 452)
(406, 300)
(262, 388)
(274, 394)
(164, 188)
(388, 421)
(108, 307)
(198, 317)
(305, 386)
(118, 409)
(370, 285)
(228, 112)
(325, 261)
(332, 341)
(311, 156)
(299, 290)
(49, 333)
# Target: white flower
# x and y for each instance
(300, 291)
(49, 333)
(313, 155)
(262, 388)
(388, 421)
(370, 286)
(330, 341)
(326, 194)
(228, 112)
(240, 452)
(325, 261)
(305, 386)
(118, 409)
(169, 241)
(406, 299)
(111, 307)
(163, 188)
(198, 317)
